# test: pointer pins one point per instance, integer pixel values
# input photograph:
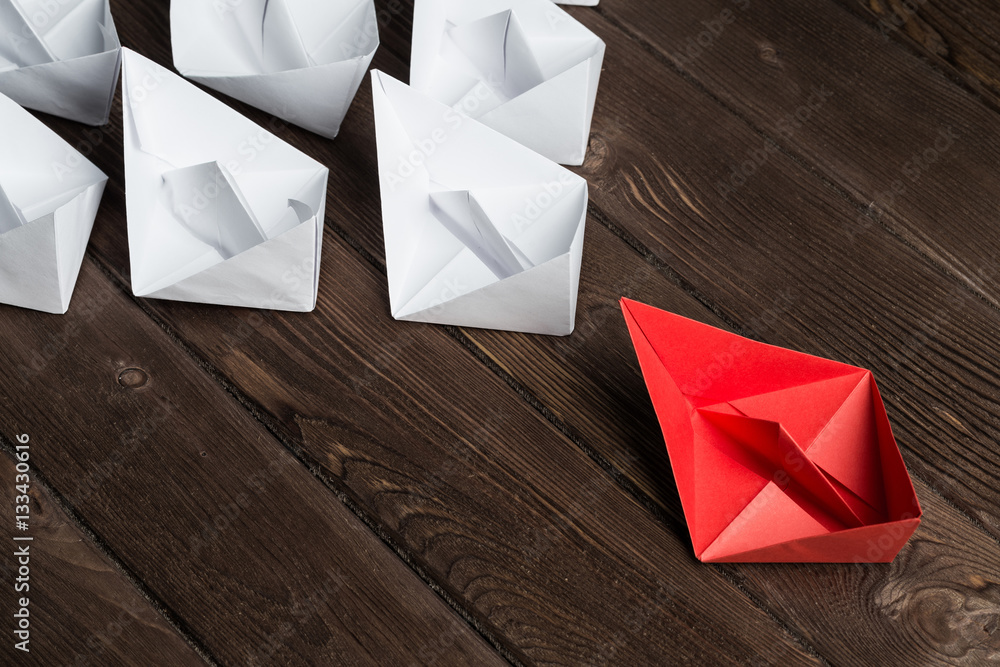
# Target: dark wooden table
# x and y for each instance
(239, 487)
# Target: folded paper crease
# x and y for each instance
(479, 230)
(299, 60)
(49, 197)
(777, 455)
(525, 68)
(220, 211)
(61, 58)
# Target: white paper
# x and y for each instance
(526, 68)
(300, 60)
(49, 196)
(480, 231)
(60, 56)
(220, 211)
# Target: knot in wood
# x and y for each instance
(133, 378)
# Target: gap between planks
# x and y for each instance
(952, 72)
(797, 158)
(265, 420)
(168, 614)
(616, 475)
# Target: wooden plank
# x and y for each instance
(869, 614)
(936, 604)
(358, 141)
(233, 535)
(957, 37)
(916, 153)
(82, 609)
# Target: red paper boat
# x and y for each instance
(778, 456)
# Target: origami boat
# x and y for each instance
(778, 456)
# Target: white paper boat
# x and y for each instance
(300, 60)
(49, 196)
(61, 57)
(526, 68)
(480, 231)
(220, 211)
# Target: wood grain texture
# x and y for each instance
(359, 227)
(589, 380)
(73, 585)
(798, 269)
(938, 603)
(916, 152)
(961, 37)
(848, 631)
(231, 533)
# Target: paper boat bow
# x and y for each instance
(778, 456)
(525, 68)
(61, 58)
(300, 60)
(49, 196)
(479, 230)
(219, 210)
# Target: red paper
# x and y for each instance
(778, 456)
